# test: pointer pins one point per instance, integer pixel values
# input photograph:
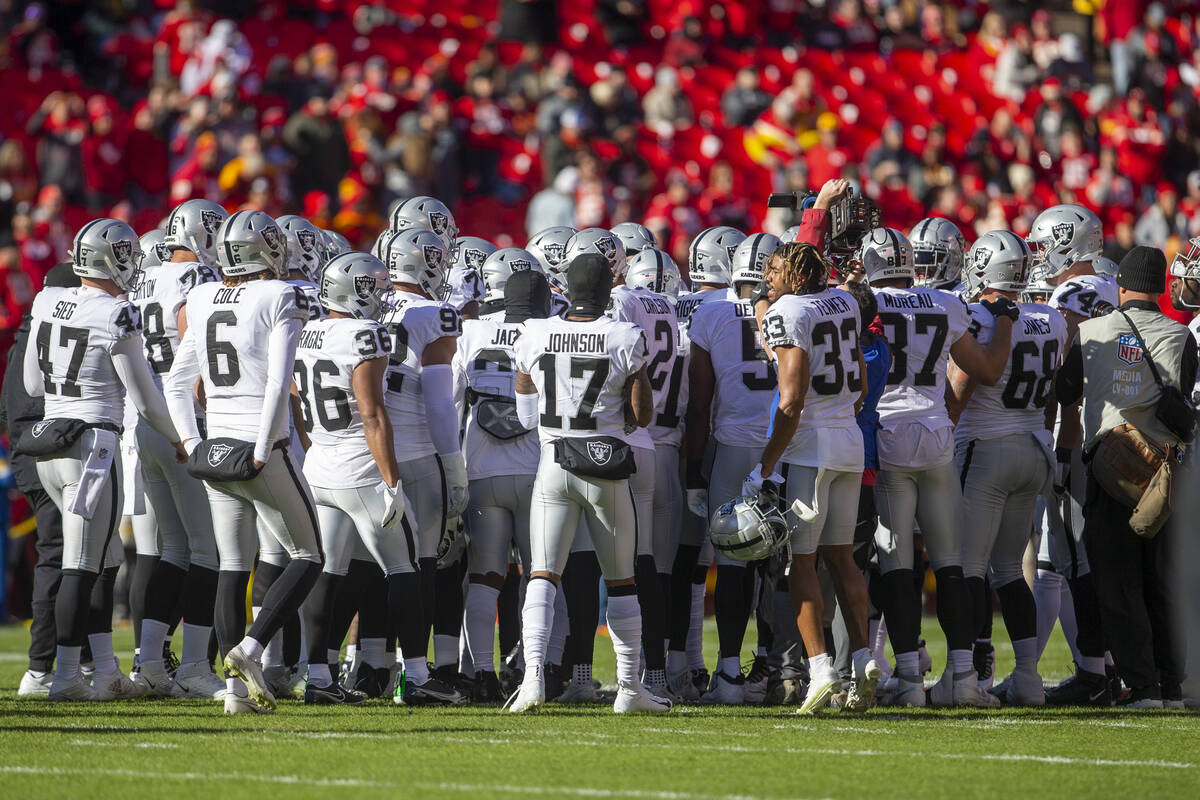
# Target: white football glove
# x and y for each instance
(697, 502)
(393, 510)
(455, 469)
(755, 480)
(452, 542)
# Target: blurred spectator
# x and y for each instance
(826, 158)
(60, 129)
(1015, 71)
(1117, 21)
(721, 203)
(18, 181)
(1054, 115)
(147, 172)
(622, 20)
(560, 151)
(198, 176)
(616, 102)
(1071, 67)
(222, 59)
(593, 196)
(675, 214)
(889, 156)
(1162, 220)
(529, 20)
(1043, 46)
(900, 33)
(554, 205)
(687, 45)
(666, 106)
(629, 172)
(237, 176)
(745, 100)
(104, 170)
(1122, 241)
(1190, 204)
(317, 141)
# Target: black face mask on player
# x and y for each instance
(589, 285)
(526, 296)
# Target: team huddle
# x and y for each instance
(440, 438)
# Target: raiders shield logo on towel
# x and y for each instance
(218, 453)
(40, 427)
(600, 452)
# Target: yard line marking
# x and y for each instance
(297, 780)
(143, 745)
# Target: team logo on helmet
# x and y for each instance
(520, 265)
(218, 453)
(732, 249)
(439, 222)
(1062, 233)
(473, 257)
(1129, 349)
(162, 252)
(270, 235)
(600, 452)
(363, 286)
(607, 247)
(307, 240)
(554, 253)
(980, 259)
(123, 250)
(40, 427)
(433, 256)
(210, 220)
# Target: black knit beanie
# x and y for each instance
(1143, 269)
(526, 296)
(589, 284)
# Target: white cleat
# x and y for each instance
(637, 699)
(250, 671)
(152, 680)
(35, 685)
(821, 689)
(236, 704)
(1024, 689)
(199, 680)
(909, 692)
(862, 691)
(73, 690)
(577, 693)
(684, 687)
(115, 685)
(531, 695)
(725, 691)
(960, 689)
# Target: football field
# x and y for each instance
(182, 749)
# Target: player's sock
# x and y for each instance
(1047, 595)
(1026, 654)
(318, 675)
(1066, 618)
(372, 651)
(1089, 638)
(859, 658)
(273, 651)
(680, 605)
(66, 662)
(230, 618)
(653, 610)
(447, 624)
(557, 641)
(624, 619)
(732, 611)
(252, 647)
(677, 662)
(154, 633)
(820, 664)
(908, 664)
(695, 639)
(1093, 664)
(143, 569)
(406, 617)
(445, 650)
(955, 610)
(536, 618)
(318, 612)
(102, 651)
(481, 624)
(508, 612)
(961, 660)
(877, 639)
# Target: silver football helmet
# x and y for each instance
(381, 240)
(1036, 291)
(654, 270)
(634, 237)
(938, 246)
(193, 225)
(1105, 266)
(549, 246)
(1062, 235)
(155, 252)
(107, 249)
(250, 242)
(997, 260)
(417, 257)
(789, 236)
(335, 243)
(886, 254)
(305, 245)
(597, 240)
(471, 251)
(428, 213)
(500, 265)
(750, 258)
(710, 259)
(749, 530)
(356, 284)
(1186, 263)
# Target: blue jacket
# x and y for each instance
(878, 356)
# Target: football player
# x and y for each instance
(1004, 450)
(917, 479)
(466, 287)
(654, 270)
(240, 343)
(426, 213)
(495, 272)
(186, 574)
(1185, 288)
(582, 380)
(340, 368)
(550, 247)
(938, 248)
(634, 238)
(731, 383)
(816, 450)
(87, 353)
(419, 397)
(335, 243)
(502, 459)
(1065, 241)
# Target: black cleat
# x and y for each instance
(331, 695)
(431, 692)
(372, 681)
(1114, 683)
(170, 660)
(984, 658)
(449, 675)
(487, 688)
(1081, 689)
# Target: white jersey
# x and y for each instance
(414, 324)
(1017, 403)
(315, 309)
(825, 325)
(1194, 327)
(327, 354)
(558, 304)
(580, 370)
(466, 286)
(686, 304)
(667, 367)
(229, 327)
(75, 332)
(744, 378)
(485, 365)
(920, 325)
(160, 293)
(1086, 295)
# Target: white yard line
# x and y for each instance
(139, 745)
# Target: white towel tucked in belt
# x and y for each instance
(97, 448)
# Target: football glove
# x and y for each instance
(1062, 471)
(1002, 307)
(755, 480)
(393, 510)
(697, 502)
(452, 543)
(455, 469)
(697, 488)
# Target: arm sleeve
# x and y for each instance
(437, 385)
(177, 388)
(129, 360)
(31, 370)
(281, 356)
(1188, 364)
(1068, 385)
(527, 409)
(814, 227)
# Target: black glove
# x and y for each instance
(1002, 307)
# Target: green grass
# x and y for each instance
(188, 748)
